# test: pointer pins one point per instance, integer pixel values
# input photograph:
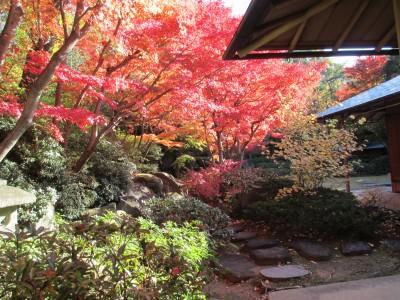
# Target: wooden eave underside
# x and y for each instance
(310, 28)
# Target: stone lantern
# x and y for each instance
(10, 199)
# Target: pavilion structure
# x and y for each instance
(316, 28)
(324, 28)
(380, 101)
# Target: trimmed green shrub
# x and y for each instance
(319, 213)
(186, 209)
(112, 170)
(111, 257)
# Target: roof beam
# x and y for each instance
(386, 38)
(396, 11)
(297, 36)
(350, 26)
(312, 11)
(316, 53)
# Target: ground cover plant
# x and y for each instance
(109, 257)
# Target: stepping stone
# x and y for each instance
(243, 236)
(356, 248)
(312, 250)
(270, 256)
(237, 268)
(392, 245)
(258, 243)
(284, 272)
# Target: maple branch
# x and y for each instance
(34, 94)
(14, 18)
(63, 19)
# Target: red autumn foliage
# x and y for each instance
(206, 183)
(365, 74)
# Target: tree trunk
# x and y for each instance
(91, 146)
(34, 94)
(220, 147)
(7, 35)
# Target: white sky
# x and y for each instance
(239, 8)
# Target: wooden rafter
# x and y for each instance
(350, 26)
(314, 10)
(396, 12)
(297, 36)
(386, 38)
(316, 53)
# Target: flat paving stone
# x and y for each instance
(356, 248)
(258, 243)
(270, 256)
(382, 288)
(312, 250)
(236, 267)
(243, 236)
(392, 245)
(284, 272)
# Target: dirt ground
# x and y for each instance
(339, 268)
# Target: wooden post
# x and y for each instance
(393, 132)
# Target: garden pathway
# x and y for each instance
(242, 276)
(383, 288)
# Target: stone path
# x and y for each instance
(258, 243)
(383, 288)
(284, 272)
(312, 250)
(236, 267)
(271, 256)
(356, 248)
(251, 256)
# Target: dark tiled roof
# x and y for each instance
(369, 97)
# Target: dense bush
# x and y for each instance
(77, 193)
(181, 210)
(316, 151)
(112, 170)
(105, 258)
(319, 213)
(207, 183)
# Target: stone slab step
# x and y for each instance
(355, 248)
(312, 250)
(284, 272)
(236, 267)
(258, 243)
(270, 256)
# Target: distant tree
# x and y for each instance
(364, 74)
(325, 94)
(392, 67)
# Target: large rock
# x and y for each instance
(152, 182)
(243, 236)
(271, 256)
(101, 210)
(170, 183)
(236, 267)
(284, 272)
(356, 248)
(135, 196)
(312, 250)
(258, 243)
(48, 221)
